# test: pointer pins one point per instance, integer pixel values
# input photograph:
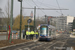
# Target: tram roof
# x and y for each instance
(50, 26)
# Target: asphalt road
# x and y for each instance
(63, 42)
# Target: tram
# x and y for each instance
(47, 32)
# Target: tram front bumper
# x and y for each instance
(43, 38)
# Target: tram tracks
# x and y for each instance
(27, 45)
(43, 46)
(38, 45)
(60, 42)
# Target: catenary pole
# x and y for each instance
(11, 17)
(20, 17)
(34, 18)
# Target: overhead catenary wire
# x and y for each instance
(59, 7)
(28, 4)
(38, 6)
(42, 4)
(46, 4)
(44, 8)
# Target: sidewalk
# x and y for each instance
(72, 36)
(57, 34)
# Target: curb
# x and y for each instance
(16, 44)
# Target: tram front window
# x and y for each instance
(43, 30)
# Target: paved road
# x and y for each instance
(63, 42)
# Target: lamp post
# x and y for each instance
(20, 17)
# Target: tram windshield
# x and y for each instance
(43, 30)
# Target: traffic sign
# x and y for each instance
(29, 20)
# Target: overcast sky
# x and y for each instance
(66, 4)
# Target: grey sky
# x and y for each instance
(68, 4)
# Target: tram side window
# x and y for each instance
(53, 32)
(40, 30)
(50, 31)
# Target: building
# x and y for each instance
(1, 13)
(50, 20)
(70, 26)
(62, 22)
(69, 22)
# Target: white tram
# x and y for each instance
(47, 32)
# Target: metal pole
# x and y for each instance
(20, 19)
(11, 20)
(45, 18)
(28, 31)
(34, 18)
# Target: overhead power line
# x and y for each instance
(44, 8)
(38, 7)
(47, 5)
(59, 7)
(28, 3)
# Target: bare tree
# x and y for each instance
(7, 15)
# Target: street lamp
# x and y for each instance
(20, 17)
